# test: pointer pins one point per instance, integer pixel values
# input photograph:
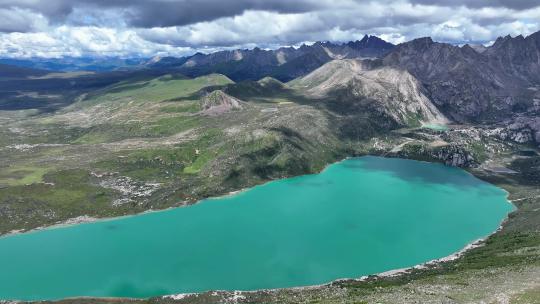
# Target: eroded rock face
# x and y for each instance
(452, 75)
(393, 92)
(472, 86)
(455, 156)
(218, 102)
(450, 155)
(518, 56)
(523, 130)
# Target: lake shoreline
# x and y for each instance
(376, 276)
(86, 219)
(390, 273)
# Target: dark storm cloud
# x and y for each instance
(143, 13)
(187, 12)
(164, 13)
(53, 9)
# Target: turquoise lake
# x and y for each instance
(436, 127)
(360, 216)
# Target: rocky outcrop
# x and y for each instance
(523, 130)
(218, 102)
(455, 156)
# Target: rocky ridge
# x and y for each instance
(392, 91)
(285, 63)
(475, 86)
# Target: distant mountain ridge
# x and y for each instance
(285, 63)
(70, 64)
(468, 84)
(13, 71)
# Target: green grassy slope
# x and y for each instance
(149, 136)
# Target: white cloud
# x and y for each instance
(259, 27)
(83, 41)
(107, 32)
(397, 21)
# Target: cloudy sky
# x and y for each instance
(128, 28)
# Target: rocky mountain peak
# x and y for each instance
(472, 50)
(534, 37)
(474, 83)
(370, 42)
(501, 41)
(479, 48)
(518, 57)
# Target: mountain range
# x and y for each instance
(86, 139)
(472, 85)
(464, 83)
(284, 64)
(69, 64)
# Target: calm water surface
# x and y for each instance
(360, 216)
(436, 127)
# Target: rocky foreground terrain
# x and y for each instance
(123, 143)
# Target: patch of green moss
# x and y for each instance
(22, 175)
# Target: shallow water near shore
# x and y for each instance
(360, 216)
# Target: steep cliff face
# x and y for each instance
(458, 80)
(468, 85)
(518, 57)
(388, 90)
